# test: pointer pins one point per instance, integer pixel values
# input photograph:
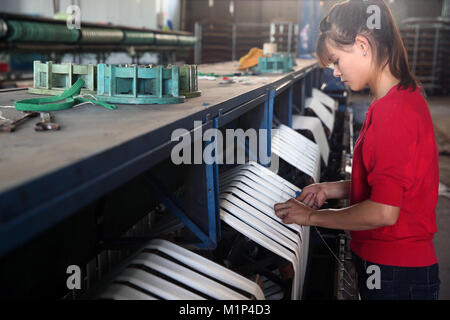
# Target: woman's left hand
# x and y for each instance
(293, 211)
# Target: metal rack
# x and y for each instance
(224, 41)
(427, 41)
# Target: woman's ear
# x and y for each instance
(362, 44)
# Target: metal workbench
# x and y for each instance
(47, 176)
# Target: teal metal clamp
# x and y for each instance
(53, 79)
(132, 84)
(280, 62)
(188, 81)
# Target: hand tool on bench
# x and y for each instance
(11, 125)
(46, 123)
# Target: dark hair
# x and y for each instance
(348, 19)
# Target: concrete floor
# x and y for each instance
(440, 113)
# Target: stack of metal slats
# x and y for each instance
(164, 270)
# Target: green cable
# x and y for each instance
(65, 100)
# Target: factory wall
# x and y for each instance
(136, 13)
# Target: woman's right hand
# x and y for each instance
(313, 195)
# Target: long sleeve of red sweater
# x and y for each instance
(395, 162)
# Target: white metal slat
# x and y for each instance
(270, 197)
(294, 135)
(295, 243)
(267, 243)
(264, 209)
(250, 172)
(298, 159)
(187, 277)
(321, 111)
(260, 227)
(119, 291)
(315, 126)
(325, 99)
(259, 199)
(156, 285)
(295, 160)
(300, 144)
(275, 196)
(300, 248)
(206, 266)
(264, 173)
(297, 150)
(233, 205)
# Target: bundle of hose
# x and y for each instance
(15, 30)
(100, 35)
(138, 37)
(186, 40)
(166, 39)
(26, 31)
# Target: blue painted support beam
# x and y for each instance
(201, 212)
(266, 123)
(291, 92)
(175, 206)
(303, 95)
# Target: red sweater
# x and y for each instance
(395, 162)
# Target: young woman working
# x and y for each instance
(393, 191)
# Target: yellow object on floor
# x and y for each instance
(250, 59)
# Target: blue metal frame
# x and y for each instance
(209, 187)
(26, 211)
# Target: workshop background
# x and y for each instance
(97, 188)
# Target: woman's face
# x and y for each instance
(352, 65)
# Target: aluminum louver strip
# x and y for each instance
(118, 291)
(187, 277)
(326, 116)
(206, 266)
(153, 284)
(297, 150)
(247, 206)
(261, 200)
(315, 126)
(325, 99)
(267, 243)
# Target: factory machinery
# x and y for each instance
(103, 195)
(21, 29)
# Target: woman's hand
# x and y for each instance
(293, 211)
(313, 195)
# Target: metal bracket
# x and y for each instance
(208, 231)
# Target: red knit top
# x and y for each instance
(395, 162)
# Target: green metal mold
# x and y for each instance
(188, 81)
(133, 84)
(279, 62)
(53, 79)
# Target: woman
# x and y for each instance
(395, 177)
